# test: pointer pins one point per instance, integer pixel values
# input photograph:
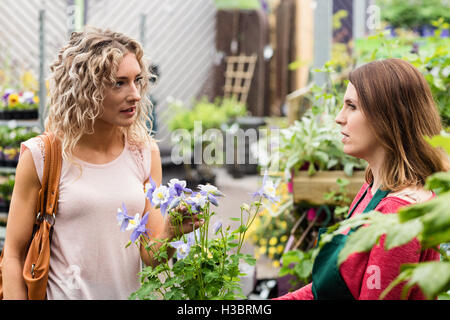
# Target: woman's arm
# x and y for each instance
(304, 293)
(161, 227)
(19, 229)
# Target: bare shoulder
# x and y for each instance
(413, 194)
(154, 148)
(26, 169)
(156, 166)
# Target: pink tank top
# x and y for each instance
(88, 255)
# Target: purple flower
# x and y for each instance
(268, 190)
(209, 188)
(210, 192)
(28, 97)
(177, 187)
(150, 187)
(123, 218)
(197, 201)
(139, 227)
(183, 248)
(161, 198)
(217, 226)
(6, 95)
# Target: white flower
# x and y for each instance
(245, 207)
(174, 181)
(183, 250)
(199, 200)
(160, 196)
(28, 95)
(269, 189)
(133, 223)
(209, 188)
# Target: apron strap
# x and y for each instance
(378, 196)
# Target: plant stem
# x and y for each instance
(248, 224)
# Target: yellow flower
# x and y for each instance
(262, 250)
(276, 264)
(257, 255)
(36, 99)
(28, 81)
(273, 241)
(283, 224)
(280, 249)
(13, 99)
(262, 241)
(284, 238)
(272, 250)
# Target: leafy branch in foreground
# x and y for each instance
(428, 222)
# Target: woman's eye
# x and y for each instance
(118, 84)
(138, 80)
(351, 106)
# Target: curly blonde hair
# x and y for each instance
(84, 68)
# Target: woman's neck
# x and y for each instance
(104, 139)
(376, 161)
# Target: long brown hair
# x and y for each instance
(397, 101)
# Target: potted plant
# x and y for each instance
(19, 105)
(194, 123)
(208, 261)
(6, 188)
(10, 143)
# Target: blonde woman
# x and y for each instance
(98, 110)
(388, 109)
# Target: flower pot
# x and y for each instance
(7, 115)
(4, 206)
(311, 189)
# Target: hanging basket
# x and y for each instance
(311, 189)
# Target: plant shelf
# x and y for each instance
(311, 189)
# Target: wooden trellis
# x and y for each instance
(238, 76)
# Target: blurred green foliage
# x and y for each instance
(413, 13)
(431, 55)
(237, 4)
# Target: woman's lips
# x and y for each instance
(345, 138)
(129, 112)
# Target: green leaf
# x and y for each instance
(361, 240)
(440, 141)
(433, 277)
(348, 169)
(436, 226)
(439, 182)
(401, 233)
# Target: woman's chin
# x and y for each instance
(351, 152)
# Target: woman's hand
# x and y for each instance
(172, 227)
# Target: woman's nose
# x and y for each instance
(340, 119)
(134, 93)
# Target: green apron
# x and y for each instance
(327, 282)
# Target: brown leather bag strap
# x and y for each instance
(48, 195)
(40, 205)
(54, 175)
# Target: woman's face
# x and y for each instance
(120, 103)
(358, 138)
